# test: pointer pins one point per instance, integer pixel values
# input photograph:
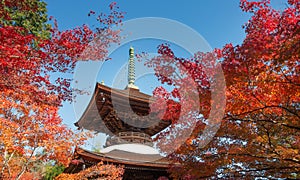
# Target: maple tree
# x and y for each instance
(259, 133)
(32, 53)
(98, 171)
(29, 14)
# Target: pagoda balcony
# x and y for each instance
(130, 137)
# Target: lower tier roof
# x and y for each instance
(120, 157)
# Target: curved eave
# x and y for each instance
(135, 94)
(99, 116)
(87, 109)
(95, 157)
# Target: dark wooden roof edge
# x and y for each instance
(103, 157)
(121, 94)
(139, 96)
(88, 106)
(111, 90)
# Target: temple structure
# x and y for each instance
(125, 116)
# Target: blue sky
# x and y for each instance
(217, 21)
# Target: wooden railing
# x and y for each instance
(130, 137)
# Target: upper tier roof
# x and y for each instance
(112, 111)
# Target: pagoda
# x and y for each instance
(123, 114)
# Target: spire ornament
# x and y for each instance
(131, 69)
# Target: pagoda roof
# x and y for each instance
(123, 158)
(113, 110)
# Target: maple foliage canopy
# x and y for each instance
(98, 171)
(32, 53)
(259, 132)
